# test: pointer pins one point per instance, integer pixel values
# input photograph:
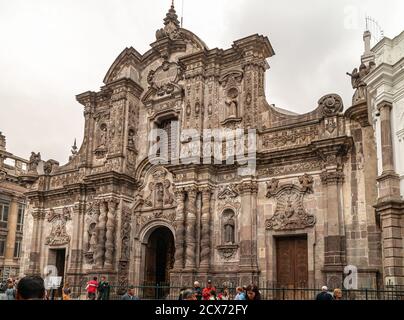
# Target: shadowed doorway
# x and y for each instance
(159, 261)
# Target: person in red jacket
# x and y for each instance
(206, 292)
(91, 288)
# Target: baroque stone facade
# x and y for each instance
(115, 213)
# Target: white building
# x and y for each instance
(385, 96)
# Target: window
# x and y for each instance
(169, 126)
(17, 249)
(4, 207)
(20, 221)
(2, 247)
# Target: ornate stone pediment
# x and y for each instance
(58, 235)
(290, 213)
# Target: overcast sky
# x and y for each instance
(52, 50)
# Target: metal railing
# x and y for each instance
(166, 292)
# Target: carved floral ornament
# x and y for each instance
(331, 104)
(290, 213)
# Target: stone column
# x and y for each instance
(12, 230)
(334, 240)
(101, 227)
(190, 231)
(205, 232)
(390, 206)
(38, 215)
(389, 181)
(179, 231)
(76, 253)
(248, 267)
(110, 236)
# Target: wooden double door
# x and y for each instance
(292, 262)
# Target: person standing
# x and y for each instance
(197, 290)
(66, 292)
(130, 295)
(91, 288)
(240, 294)
(10, 291)
(31, 288)
(253, 293)
(337, 294)
(224, 295)
(207, 292)
(324, 295)
(103, 289)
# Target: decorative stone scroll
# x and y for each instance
(290, 213)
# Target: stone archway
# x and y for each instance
(158, 261)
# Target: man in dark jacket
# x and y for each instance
(324, 295)
(103, 289)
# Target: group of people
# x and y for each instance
(101, 290)
(325, 295)
(98, 290)
(250, 292)
(10, 288)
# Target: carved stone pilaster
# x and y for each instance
(205, 232)
(179, 229)
(110, 235)
(190, 230)
(101, 228)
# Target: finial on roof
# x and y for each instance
(74, 148)
(172, 16)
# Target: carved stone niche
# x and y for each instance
(102, 149)
(290, 213)
(231, 83)
(160, 191)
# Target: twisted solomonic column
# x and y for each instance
(100, 248)
(179, 230)
(190, 230)
(110, 236)
(205, 230)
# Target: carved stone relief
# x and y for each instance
(290, 213)
(58, 218)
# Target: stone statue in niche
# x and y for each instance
(103, 135)
(229, 226)
(93, 238)
(231, 103)
(168, 196)
(159, 195)
(149, 199)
